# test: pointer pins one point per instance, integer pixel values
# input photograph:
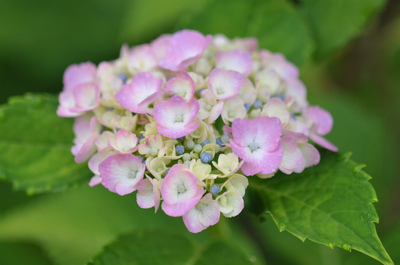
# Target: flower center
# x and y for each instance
(181, 189)
(179, 118)
(132, 174)
(253, 146)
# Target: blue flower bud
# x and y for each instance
(258, 104)
(205, 142)
(187, 163)
(140, 158)
(181, 138)
(225, 139)
(140, 137)
(197, 148)
(190, 144)
(214, 189)
(180, 149)
(280, 96)
(219, 142)
(205, 158)
(247, 107)
(123, 77)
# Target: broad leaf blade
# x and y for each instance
(277, 25)
(35, 146)
(335, 22)
(17, 253)
(161, 247)
(329, 204)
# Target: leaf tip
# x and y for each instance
(331, 245)
(345, 157)
(282, 227)
(346, 247)
(358, 168)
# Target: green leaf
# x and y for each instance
(329, 204)
(17, 253)
(335, 22)
(276, 23)
(80, 222)
(35, 146)
(162, 247)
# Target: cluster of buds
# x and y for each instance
(186, 119)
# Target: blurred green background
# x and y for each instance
(349, 58)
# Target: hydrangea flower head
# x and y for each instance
(186, 120)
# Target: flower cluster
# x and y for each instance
(186, 119)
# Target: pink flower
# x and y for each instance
(124, 142)
(258, 143)
(142, 59)
(137, 95)
(180, 191)
(204, 214)
(225, 84)
(185, 47)
(175, 116)
(121, 173)
(278, 63)
(322, 123)
(86, 129)
(78, 100)
(237, 60)
(148, 193)
(78, 74)
(181, 85)
(292, 160)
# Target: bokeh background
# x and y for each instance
(349, 58)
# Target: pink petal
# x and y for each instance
(292, 157)
(95, 180)
(124, 142)
(185, 47)
(225, 84)
(77, 74)
(310, 154)
(142, 59)
(148, 193)
(181, 85)
(237, 60)
(266, 164)
(86, 97)
(120, 173)
(323, 142)
(203, 215)
(160, 45)
(175, 116)
(180, 191)
(322, 120)
(67, 102)
(143, 87)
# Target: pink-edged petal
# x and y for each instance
(85, 151)
(203, 215)
(225, 84)
(148, 193)
(179, 191)
(67, 102)
(143, 86)
(175, 132)
(142, 59)
(215, 112)
(97, 158)
(266, 163)
(278, 63)
(292, 160)
(323, 142)
(175, 116)
(181, 85)
(185, 47)
(322, 120)
(265, 131)
(160, 45)
(77, 74)
(237, 60)
(182, 207)
(120, 173)
(179, 184)
(275, 107)
(310, 154)
(95, 180)
(230, 203)
(124, 142)
(86, 97)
